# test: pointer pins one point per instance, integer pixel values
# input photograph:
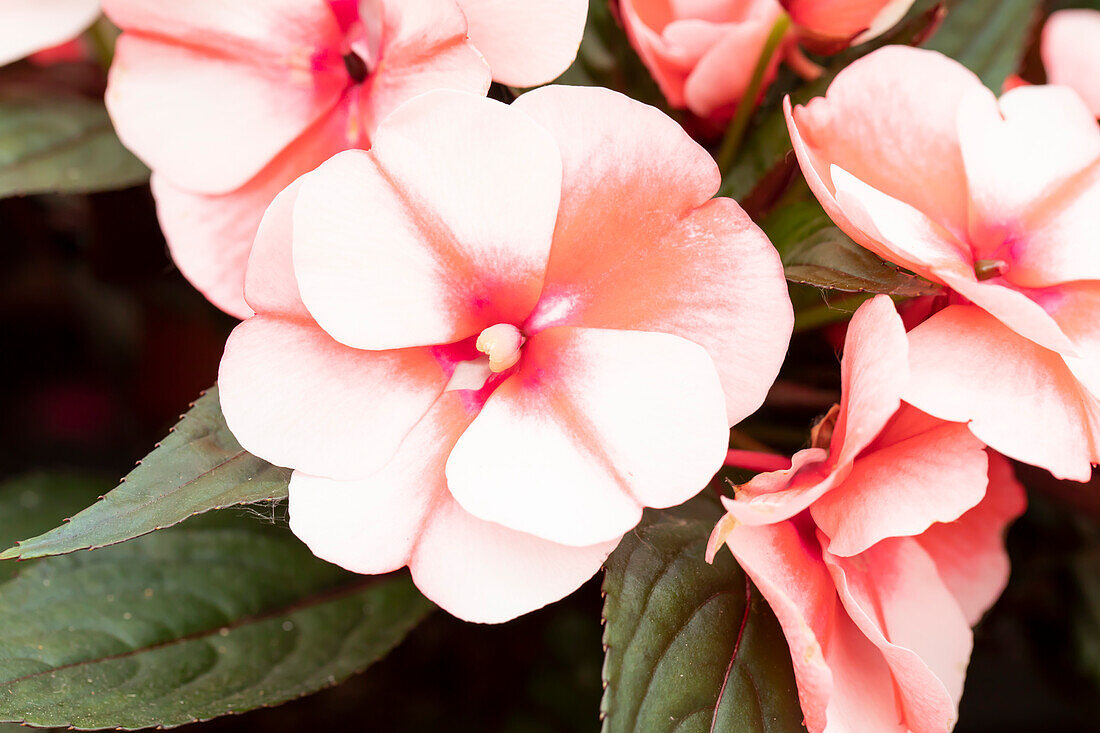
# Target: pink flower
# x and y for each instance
(836, 24)
(34, 25)
(701, 54)
(1071, 53)
(230, 102)
(997, 201)
(485, 346)
(879, 548)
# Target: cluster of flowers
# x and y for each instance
(486, 336)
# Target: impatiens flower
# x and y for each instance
(999, 202)
(879, 548)
(831, 25)
(228, 102)
(702, 55)
(484, 346)
(28, 26)
(1071, 53)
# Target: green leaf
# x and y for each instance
(62, 144)
(217, 616)
(816, 252)
(200, 466)
(690, 646)
(988, 38)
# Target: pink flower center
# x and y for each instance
(502, 344)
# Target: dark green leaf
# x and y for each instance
(988, 38)
(816, 252)
(64, 144)
(217, 616)
(200, 466)
(690, 646)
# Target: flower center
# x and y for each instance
(356, 66)
(989, 269)
(502, 344)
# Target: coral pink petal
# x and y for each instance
(713, 276)
(900, 489)
(486, 573)
(526, 42)
(270, 285)
(895, 596)
(33, 26)
(879, 123)
(437, 233)
(350, 409)
(210, 236)
(911, 239)
(594, 425)
(210, 123)
(873, 373)
(1021, 399)
(969, 553)
(1076, 308)
(779, 495)
(668, 67)
(785, 564)
(722, 75)
(864, 698)
(846, 19)
(1033, 163)
(426, 48)
(261, 30)
(1071, 53)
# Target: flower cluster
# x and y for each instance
(486, 337)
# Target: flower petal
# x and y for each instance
(259, 29)
(33, 26)
(911, 239)
(296, 398)
(911, 479)
(482, 572)
(1033, 162)
(526, 42)
(873, 373)
(1020, 398)
(895, 596)
(777, 496)
(970, 552)
(879, 123)
(437, 233)
(636, 217)
(404, 515)
(721, 77)
(594, 426)
(208, 122)
(426, 48)
(1071, 53)
(785, 564)
(210, 236)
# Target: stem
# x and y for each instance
(757, 461)
(736, 130)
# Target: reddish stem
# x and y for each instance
(757, 461)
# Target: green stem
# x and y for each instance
(736, 130)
